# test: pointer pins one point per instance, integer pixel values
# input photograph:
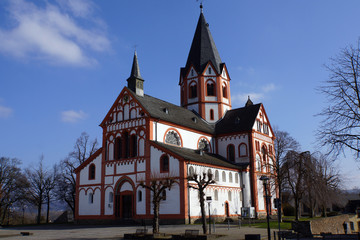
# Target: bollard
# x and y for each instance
(228, 224)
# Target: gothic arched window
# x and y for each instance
(231, 153)
(193, 91)
(224, 89)
(210, 88)
(173, 138)
(92, 172)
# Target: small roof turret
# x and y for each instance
(135, 81)
(248, 102)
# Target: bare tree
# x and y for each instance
(200, 182)
(66, 187)
(36, 177)
(340, 128)
(283, 143)
(294, 168)
(157, 184)
(13, 185)
(50, 184)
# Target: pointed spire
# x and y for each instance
(203, 47)
(135, 70)
(249, 102)
(135, 81)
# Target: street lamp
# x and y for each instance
(208, 199)
(265, 179)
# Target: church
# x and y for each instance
(144, 136)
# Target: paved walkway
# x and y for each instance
(76, 232)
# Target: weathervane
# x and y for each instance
(201, 4)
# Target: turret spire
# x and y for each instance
(135, 81)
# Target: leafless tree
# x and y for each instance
(294, 168)
(66, 187)
(50, 184)
(199, 182)
(13, 185)
(283, 143)
(340, 128)
(157, 184)
(37, 186)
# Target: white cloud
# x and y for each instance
(80, 8)
(51, 33)
(268, 88)
(72, 116)
(5, 112)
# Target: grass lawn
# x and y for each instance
(273, 225)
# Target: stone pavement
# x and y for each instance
(88, 232)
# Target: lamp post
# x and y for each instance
(208, 199)
(265, 179)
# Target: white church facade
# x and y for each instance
(144, 136)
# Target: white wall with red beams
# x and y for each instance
(203, 104)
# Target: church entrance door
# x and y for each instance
(124, 206)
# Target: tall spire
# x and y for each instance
(203, 47)
(135, 81)
(135, 70)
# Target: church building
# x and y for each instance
(144, 136)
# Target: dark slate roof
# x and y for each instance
(238, 120)
(172, 113)
(203, 48)
(135, 70)
(194, 156)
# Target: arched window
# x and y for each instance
(193, 90)
(224, 90)
(216, 195)
(230, 177)
(242, 150)
(223, 176)
(118, 148)
(236, 178)
(91, 198)
(126, 145)
(229, 196)
(173, 138)
(92, 172)
(210, 175)
(216, 175)
(164, 163)
(264, 154)
(211, 114)
(231, 153)
(111, 197)
(139, 196)
(182, 95)
(204, 145)
(191, 171)
(133, 145)
(210, 88)
(209, 70)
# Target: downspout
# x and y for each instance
(188, 195)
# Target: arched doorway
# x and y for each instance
(124, 206)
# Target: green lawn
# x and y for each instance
(273, 225)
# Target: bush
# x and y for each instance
(288, 210)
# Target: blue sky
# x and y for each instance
(63, 63)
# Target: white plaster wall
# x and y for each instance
(260, 194)
(109, 204)
(174, 170)
(172, 203)
(141, 166)
(236, 141)
(87, 208)
(213, 106)
(109, 169)
(246, 189)
(141, 205)
(189, 139)
(125, 167)
(84, 173)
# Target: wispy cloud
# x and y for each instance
(239, 99)
(72, 116)
(5, 112)
(53, 32)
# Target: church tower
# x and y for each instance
(204, 81)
